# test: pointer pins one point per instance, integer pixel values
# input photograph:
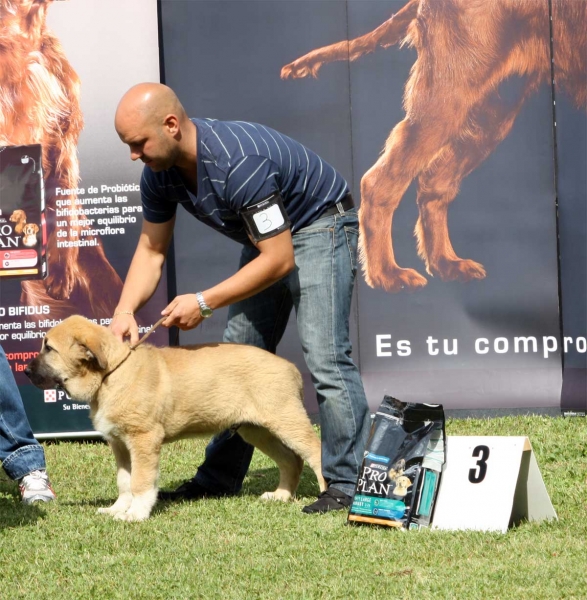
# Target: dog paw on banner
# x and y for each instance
(455, 115)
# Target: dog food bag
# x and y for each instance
(23, 230)
(401, 469)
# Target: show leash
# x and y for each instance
(133, 346)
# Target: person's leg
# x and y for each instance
(21, 456)
(258, 321)
(326, 265)
(20, 453)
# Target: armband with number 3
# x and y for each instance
(265, 219)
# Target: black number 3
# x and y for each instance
(478, 475)
(266, 223)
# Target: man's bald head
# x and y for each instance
(151, 102)
(150, 118)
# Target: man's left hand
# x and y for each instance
(183, 312)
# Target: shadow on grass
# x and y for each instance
(259, 481)
(256, 483)
(264, 480)
(13, 513)
(159, 508)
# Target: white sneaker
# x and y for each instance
(36, 487)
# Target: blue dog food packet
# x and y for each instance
(402, 465)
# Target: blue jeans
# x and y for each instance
(320, 289)
(20, 453)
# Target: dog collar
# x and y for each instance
(132, 348)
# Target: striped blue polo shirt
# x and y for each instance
(240, 164)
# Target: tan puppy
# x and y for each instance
(18, 217)
(29, 234)
(140, 399)
(402, 484)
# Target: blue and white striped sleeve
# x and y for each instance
(251, 180)
(155, 208)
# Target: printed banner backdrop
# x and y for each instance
(458, 303)
(472, 322)
(92, 51)
(481, 329)
(571, 138)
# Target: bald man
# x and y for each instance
(294, 215)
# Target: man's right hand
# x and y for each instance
(123, 325)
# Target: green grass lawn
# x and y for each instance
(240, 548)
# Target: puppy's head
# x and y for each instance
(401, 486)
(75, 356)
(29, 234)
(18, 216)
(397, 470)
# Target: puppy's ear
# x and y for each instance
(96, 356)
(92, 351)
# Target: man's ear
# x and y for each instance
(171, 124)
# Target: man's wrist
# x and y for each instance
(205, 310)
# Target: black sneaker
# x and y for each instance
(189, 490)
(331, 499)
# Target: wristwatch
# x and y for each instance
(205, 310)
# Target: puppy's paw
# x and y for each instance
(140, 507)
(460, 270)
(111, 511)
(121, 505)
(132, 516)
(279, 495)
(60, 283)
(395, 280)
(302, 67)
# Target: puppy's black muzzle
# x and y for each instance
(40, 375)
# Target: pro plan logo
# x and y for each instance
(55, 395)
(50, 395)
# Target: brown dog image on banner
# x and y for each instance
(39, 104)
(18, 217)
(142, 398)
(29, 234)
(455, 116)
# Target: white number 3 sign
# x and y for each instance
(489, 483)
